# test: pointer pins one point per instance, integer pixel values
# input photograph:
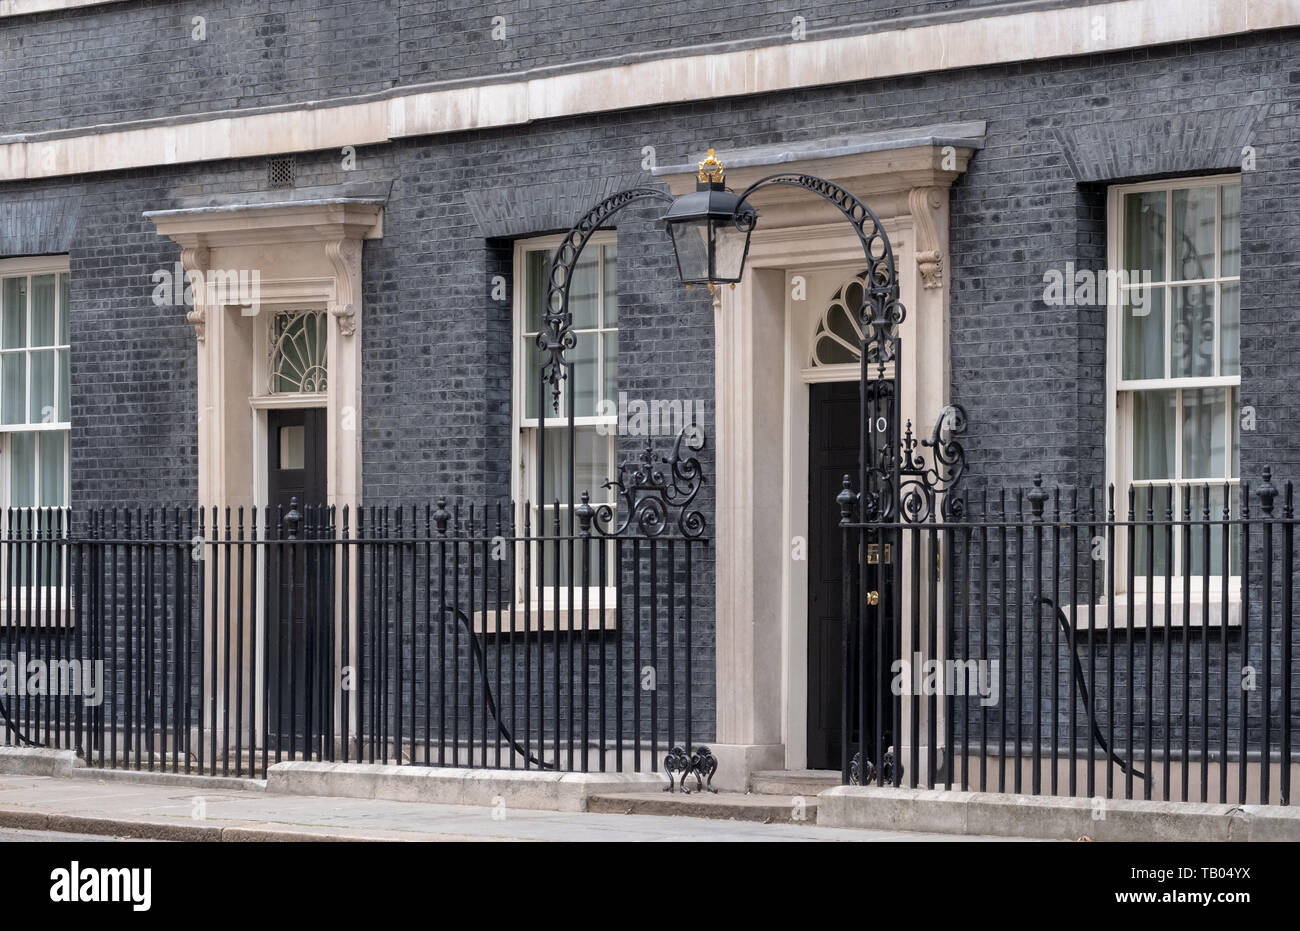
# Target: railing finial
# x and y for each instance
(1038, 496)
(585, 515)
(846, 499)
(1267, 492)
(291, 519)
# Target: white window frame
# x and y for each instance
(49, 599)
(523, 431)
(1119, 392)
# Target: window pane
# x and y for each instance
(1191, 341)
(611, 367)
(610, 275)
(1157, 499)
(537, 273)
(53, 463)
(1144, 333)
(585, 385)
(691, 245)
(65, 300)
(1153, 435)
(22, 469)
(64, 388)
(1204, 433)
(1230, 231)
(1234, 412)
(531, 374)
(547, 556)
(582, 293)
(293, 447)
(42, 408)
(1193, 233)
(43, 310)
(13, 374)
(1230, 329)
(1144, 234)
(591, 464)
(14, 296)
(1196, 557)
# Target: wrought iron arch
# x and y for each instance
(881, 295)
(654, 499)
(557, 337)
(896, 483)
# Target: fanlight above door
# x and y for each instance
(838, 337)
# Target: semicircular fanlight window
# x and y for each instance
(838, 337)
(298, 353)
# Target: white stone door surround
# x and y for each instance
(762, 403)
(307, 255)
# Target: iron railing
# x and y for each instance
(1056, 643)
(231, 639)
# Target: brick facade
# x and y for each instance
(436, 373)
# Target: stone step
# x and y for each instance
(724, 806)
(805, 782)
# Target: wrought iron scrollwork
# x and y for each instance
(863, 773)
(922, 485)
(901, 484)
(557, 336)
(701, 764)
(882, 312)
(654, 494)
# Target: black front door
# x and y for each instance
(832, 453)
(297, 660)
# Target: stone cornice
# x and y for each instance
(332, 229)
(869, 165)
(903, 178)
(1013, 33)
(261, 224)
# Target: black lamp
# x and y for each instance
(710, 230)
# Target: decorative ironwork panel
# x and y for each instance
(298, 353)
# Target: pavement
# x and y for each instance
(10, 836)
(92, 805)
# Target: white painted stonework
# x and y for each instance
(762, 397)
(27, 7)
(308, 256)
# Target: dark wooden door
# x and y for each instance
(296, 595)
(832, 453)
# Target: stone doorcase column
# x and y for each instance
(761, 635)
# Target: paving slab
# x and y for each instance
(114, 807)
(723, 806)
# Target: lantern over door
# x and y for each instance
(710, 230)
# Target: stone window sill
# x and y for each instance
(1202, 611)
(548, 617)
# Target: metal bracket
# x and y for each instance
(863, 773)
(702, 764)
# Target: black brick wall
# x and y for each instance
(435, 397)
(105, 64)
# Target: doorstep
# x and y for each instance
(806, 782)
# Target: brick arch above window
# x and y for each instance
(1145, 147)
